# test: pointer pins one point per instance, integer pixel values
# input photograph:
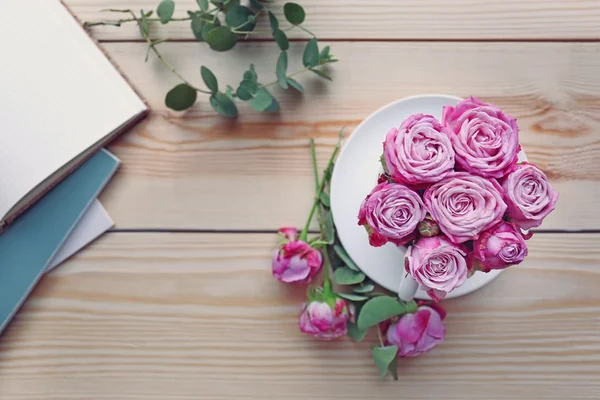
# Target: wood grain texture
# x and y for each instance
(393, 19)
(201, 171)
(189, 316)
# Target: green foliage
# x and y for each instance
(347, 276)
(221, 24)
(383, 357)
(378, 309)
(356, 334)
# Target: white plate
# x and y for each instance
(354, 176)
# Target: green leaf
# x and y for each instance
(223, 105)
(383, 357)
(181, 97)
(325, 199)
(210, 80)
(356, 334)
(207, 27)
(165, 10)
(203, 4)
(393, 368)
(321, 74)
(246, 89)
(378, 309)
(229, 93)
(197, 25)
(369, 287)
(149, 14)
(352, 297)
(251, 74)
(281, 39)
(324, 55)
(221, 39)
(311, 54)
(256, 4)
(273, 21)
(262, 100)
(347, 276)
(144, 24)
(329, 229)
(317, 244)
(293, 83)
(273, 108)
(294, 13)
(281, 70)
(340, 251)
(239, 18)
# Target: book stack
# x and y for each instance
(61, 102)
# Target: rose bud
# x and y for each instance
(465, 205)
(419, 151)
(529, 195)
(485, 139)
(295, 261)
(417, 333)
(391, 213)
(324, 322)
(428, 227)
(498, 248)
(437, 265)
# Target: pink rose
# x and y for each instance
(437, 265)
(418, 152)
(498, 248)
(485, 139)
(391, 213)
(465, 205)
(529, 196)
(295, 261)
(417, 333)
(323, 322)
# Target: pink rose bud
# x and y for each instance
(499, 247)
(417, 333)
(419, 152)
(485, 139)
(295, 261)
(428, 227)
(391, 213)
(438, 265)
(529, 195)
(465, 205)
(323, 321)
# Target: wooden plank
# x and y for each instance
(393, 19)
(205, 172)
(188, 316)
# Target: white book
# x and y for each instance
(61, 99)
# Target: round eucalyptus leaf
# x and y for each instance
(241, 18)
(294, 13)
(207, 27)
(222, 104)
(262, 100)
(165, 10)
(181, 97)
(246, 89)
(221, 39)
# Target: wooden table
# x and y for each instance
(178, 301)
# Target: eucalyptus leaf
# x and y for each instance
(203, 4)
(181, 97)
(262, 100)
(310, 58)
(246, 89)
(144, 29)
(207, 27)
(210, 80)
(378, 309)
(223, 105)
(294, 13)
(352, 297)
(324, 55)
(347, 276)
(325, 199)
(321, 74)
(281, 39)
(340, 251)
(274, 107)
(230, 93)
(256, 4)
(273, 21)
(356, 334)
(197, 26)
(239, 18)
(221, 39)
(383, 357)
(281, 70)
(369, 287)
(165, 10)
(329, 229)
(293, 83)
(251, 74)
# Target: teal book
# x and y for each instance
(29, 244)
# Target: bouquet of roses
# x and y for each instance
(454, 193)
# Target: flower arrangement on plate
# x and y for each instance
(453, 195)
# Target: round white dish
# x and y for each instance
(354, 176)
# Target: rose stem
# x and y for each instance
(379, 334)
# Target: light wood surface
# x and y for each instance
(199, 316)
(204, 172)
(143, 315)
(393, 19)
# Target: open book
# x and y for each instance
(61, 100)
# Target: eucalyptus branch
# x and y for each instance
(119, 22)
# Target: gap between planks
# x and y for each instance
(384, 40)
